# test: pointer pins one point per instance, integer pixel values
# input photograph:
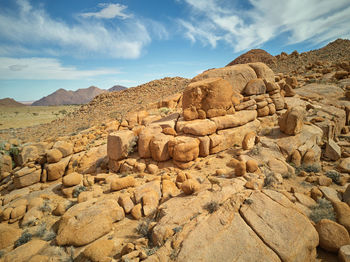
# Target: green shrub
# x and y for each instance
(334, 175)
(24, 238)
(312, 168)
(212, 206)
(322, 210)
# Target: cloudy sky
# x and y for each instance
(46, 45)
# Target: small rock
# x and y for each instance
(136, 212)
(126, 203)
(249, 140)
(152, 168)
(122, 183)
(190, 186)
(251, 166)
(324, 181)
(344, 254)
(72, 179)
(53, 155)
(100, 250)
(333, 151)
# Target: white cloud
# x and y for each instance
(109, 11)
(33, 31)
(44, 69)
(316, 21)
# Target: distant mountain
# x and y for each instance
(64, 97)
(252, 56)
(116, 88)
(9, 102)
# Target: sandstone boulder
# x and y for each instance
(100, 250)
(159, 147)
(26, 251)
(8, 235)
(122, 183)
(26, 177)
(201, 127)
(291, 122)
(145, 137)
(57, 170)
(255, 87)
(72, 179)
(87, 221)
(120, 144)
(53, 155)
(344, 253)
(263, 71)
(238, 119)
(184, 149)
(333, 151)
(190, 186)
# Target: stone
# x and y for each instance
(344, 254)
(204, 146)
(263, 71)
(126, 203)
(201, 127)
(25, 251)
(271, 86)
(100, 250)
(305, 200)
(295, 158)
(344, 165)
(251, 166)
(53, 155)
(122, 183)
(28, 154)
(8, 235)
(72, 179)
(333, 151)
(237, 75)
(85, 222)
(136, 212)
(85, 196)
(209, 94)
(150, 202)
(56, 171)
(169, 190)
(249, 140)
(309, 157)
(330, 193)
(26, 177)
(346, 195)
(316, 194)
(5, 164)
(190, 186)
(159, 147)
(255, 87)
(289, 91)
(246, 105)
(120, 144)
(145, 137)
(278, 100)
(32, 216)
(324, 181)
(291, 122)
(272, 109)
(183, 148)
(240, 168)
(152, 169)
(280, 226)
(341, 74)
(66, 148)
(342, 211)
(292, 81)
(332, 235)
(140, 191)
(169, 131)
(265, 111)
(92, 160)
(238, 119)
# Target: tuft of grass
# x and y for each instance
(151, 251)
(164, 110)
(334, 175)
(45, 207)
(312, 168)
(49, 236)
(212, 206)
(322, 210)
(24, 238)
(143, 229)
(77, 190)
(269, 180)
(177, 229)
(41, 231)
(248, 201)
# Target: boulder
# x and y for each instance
(255, 87)
(344, 165)
(26, 177)
(212, 95)
(100, 250)
(237, 75)
(291, 122)
(120, 144)
(8, 235)
(204, 146)
(92, 159)
(238, 119)
(249, 140)
(136, 212)
(122, 183)
(159, 147)
(342, 211)
(66, 148)
(85, 222)
(150, 202)
(344, 254)
(263, 71)
(332, 235)
(190, 186)
(72, 179)
(56, 171)
(346, 195)
(145, 137)
(333, 151)
(200, 127)
(281, 226)
(53, 155)
(183, 148)
(5, 164)
(278, 100)
(126, 203)
(169, 190)
(25, 251)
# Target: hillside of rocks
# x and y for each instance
(9, 102)
(240, 163)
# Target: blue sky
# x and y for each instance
(46, 45)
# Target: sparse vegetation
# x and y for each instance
(164, 110)
(323, 210)
(77, 190)
(151, 251)
(24, 238)
(248, 201)
(334, 175)
(309, 168)
(143, 228)
(132, 145)
(41, 230)
(45, 207)
(177, 229)
(212, 206)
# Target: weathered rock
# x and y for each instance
(238, 119)
(57, 170)
(344, 254)
(126, 203)
(265, 111)
(140, 191)
(237, 75)
(281, 227)
(255, 87)
(136, 212)
(184, 148)
(122, 183)
(159, 147)
(8, 235)
(100, 250)
(92, 160)
(72, 179)
(169, 190)
(190, 186)
(330, 193)
(344, 165)
(346, 195)
(342, 211)
(87, 221)
(251, 166)
(291, 122)
(120, 144)
(26, 177)
(249, 140)
(53, 155)
(295, 158)
(26, 251)
(200, 127)
(263, 71)
(333, 151)
(66, 148)
(309, 157)
(150, 202)
(5, 164)
(324, 181)
(145, 138)
(212, 95)
(289, 91)
(204, 146)
(332, 235)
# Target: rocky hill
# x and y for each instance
(64, 97)
(116, 88)
(254, 55)
(10, 102)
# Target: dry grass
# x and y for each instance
(25, 116)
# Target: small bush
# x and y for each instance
(248, 201)
(45, 207)
(323, 210)
(24, 238)
(164, 110)
(151, 251)
(312, 168)
(334, 175)
(49, 236)
(78, 190)
(212, 206)
(41, 231)
(143, 229)
(269, 180)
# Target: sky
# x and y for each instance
(46, 45)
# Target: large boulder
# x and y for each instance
(120, 144)
(26, 177)
(263, 71)
(291, 122)
(145, 137)
(25, 251)
(200, 127)
(66, 148)
(57, 170)
(255, 87)
(8, 235)
(207, 98)
(237, 75)
(184, 149)
(88, 221)
(280, 226)
(159, 147)
(240, 118)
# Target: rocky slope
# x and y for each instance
(9, 102)
(116, 88)
(240, 165)
(254, 55)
